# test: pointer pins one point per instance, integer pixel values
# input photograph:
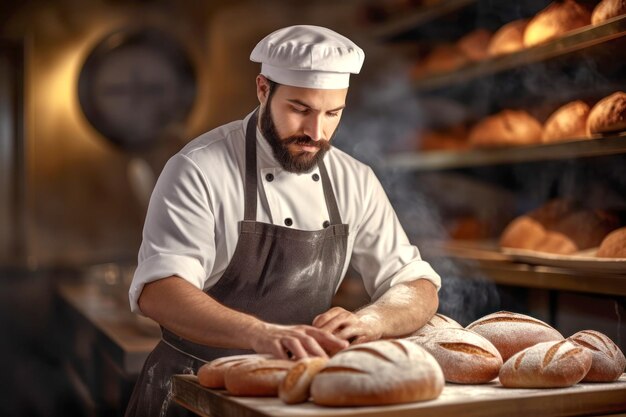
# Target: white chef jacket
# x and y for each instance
(192, 224)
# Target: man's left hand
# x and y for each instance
(353, 327)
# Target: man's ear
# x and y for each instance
(262, 89)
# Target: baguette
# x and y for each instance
(546, 365)
(211, 375)
(608, 9)
(465, 357)
(554, 21)
(608, 115)
(566, 123)
(607, 360)
(296, 385)
(513, 332)
(257, 378)
(378, 373)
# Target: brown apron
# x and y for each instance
(278, 274)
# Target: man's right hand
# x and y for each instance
(298, 341)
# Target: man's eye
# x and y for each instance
(301, 111)
(333, 114)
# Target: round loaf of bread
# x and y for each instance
(613, 245)
(295, 387)
(554, 21)
(607, 360)
(586, 228)
(438, 321)
(568, 122)
(378, 373)
(513, 332)
(257, 378)
(465, 357)
(546, 365)
(608, 9)
(507, 128)
(523, 232)
(211, 375)
(508, 39)
(608, 115)
(474, 45)
(443, 58)
(556, 242)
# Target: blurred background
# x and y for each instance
(456, 110)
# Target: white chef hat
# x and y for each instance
(308, 56)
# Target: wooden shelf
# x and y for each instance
(573, 41)
(400, 25)
(434, 160)
(479, 261)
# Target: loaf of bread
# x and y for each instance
(608, 9)
(607, 360)
(474, 45)
(524, 232)
(560, 227)
(211, 375)
(513, 332)
(554, 21)
(608, 115)
(378, 373)
(566, 123)
(508, 39)
(613, 245)
(546, 365)
(464, 356)
(295, 387)
(257, 378)
(442, 58)
(507, 128)
(438, 321)
(454, 138)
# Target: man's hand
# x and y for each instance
(300, 341)
(353, 327)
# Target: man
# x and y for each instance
(251, 228)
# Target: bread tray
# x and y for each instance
(584, 260)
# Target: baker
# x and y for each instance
(252, 226)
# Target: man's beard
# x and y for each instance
(302, 162)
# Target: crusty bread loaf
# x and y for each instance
(257, 378)
(613, 245)
(507, 128)
(464, 356)
(513, 332)
(566, 123)
(554, 21)
(454, 138)
(474, 45)
(608, 9)
(295, 387)
(508, 39)
(211, 375)
(607, 361)
(546, 365)
(438, 321)
(378, 373)
(560, 227)
(442, 58)
(523, 232)
(608, 115)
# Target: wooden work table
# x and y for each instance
(489, 400)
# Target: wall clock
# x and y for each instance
(136, 85)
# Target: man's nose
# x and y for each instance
(314, 128)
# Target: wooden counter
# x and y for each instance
(488, 400)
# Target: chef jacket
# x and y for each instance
(192, 224)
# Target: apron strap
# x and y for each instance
(251, 178)
(329, 195)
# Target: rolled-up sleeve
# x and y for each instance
(382, 253)
(179, 231)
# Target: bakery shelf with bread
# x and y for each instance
(614, 144)
(480, 54)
